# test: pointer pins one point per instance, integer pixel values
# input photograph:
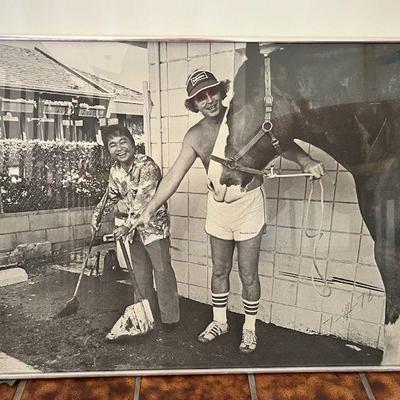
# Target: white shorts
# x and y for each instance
(240, 220)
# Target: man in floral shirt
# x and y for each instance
(132, 184)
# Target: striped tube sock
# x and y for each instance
(219, 302)
(250, 311)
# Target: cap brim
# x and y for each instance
(203, 88)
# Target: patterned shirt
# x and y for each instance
(133, 191)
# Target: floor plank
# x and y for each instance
(385, 385)
(199, 387)
(7, 392)
(321, 386)
(120, 388)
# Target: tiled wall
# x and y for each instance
(352, 311)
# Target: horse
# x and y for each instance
(345, 100)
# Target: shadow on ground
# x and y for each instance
(77, 343)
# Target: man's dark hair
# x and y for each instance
(223, 87)
(107, 132)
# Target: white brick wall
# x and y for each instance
(179, 227)
(181, 271)
(307, 298)
(179, 249)
(178, 126)
(288, 298)
(308, 321)
(198, 253)
(199, 63)
(198, 49)
(176, 51)
(197, 205)
(197, 180)
(179, 205)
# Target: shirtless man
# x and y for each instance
(205, 95)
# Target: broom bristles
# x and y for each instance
(70, 308)
(136, 320)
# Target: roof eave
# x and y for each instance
(62, 91)
(128, 101)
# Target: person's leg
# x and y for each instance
(248, 256)
(167, 292)
(143, 270)
(222, 254)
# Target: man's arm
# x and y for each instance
(308, 165)
(169, 184)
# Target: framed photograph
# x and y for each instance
(175, 207)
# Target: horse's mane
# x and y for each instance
(247, 104)
(248, 85)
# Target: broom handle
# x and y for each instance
(99, 217)
(130, 269)
(84, 264)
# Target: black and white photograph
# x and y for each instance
(198, 207)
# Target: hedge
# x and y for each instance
(39, 175)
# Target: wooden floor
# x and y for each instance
(318, 386)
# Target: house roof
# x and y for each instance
(32, 69)
(120, 92)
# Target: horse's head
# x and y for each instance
(244, 119)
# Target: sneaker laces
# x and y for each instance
(249, 337)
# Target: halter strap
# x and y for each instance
(249, 145)
(268, 101)
(266, 127)
(232, 164)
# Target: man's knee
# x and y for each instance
(221, 271)
(249, 277)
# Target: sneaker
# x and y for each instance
(213, 330)
(249, 341)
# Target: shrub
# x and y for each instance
(37, 175)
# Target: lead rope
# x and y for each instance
(326, 290)
(267, 128)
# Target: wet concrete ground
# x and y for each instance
(77, 343)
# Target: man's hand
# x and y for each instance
(120, 232)
(313, 167)
(143, 219)
(94, 226)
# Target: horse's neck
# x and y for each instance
(312, 93)
(351, 134)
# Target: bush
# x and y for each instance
(38, 175)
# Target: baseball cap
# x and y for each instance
(199, 80)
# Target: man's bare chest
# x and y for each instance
(204, 145)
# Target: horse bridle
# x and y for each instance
(266, 129)
(233, 162)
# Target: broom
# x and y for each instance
(137, 318)
(72, 305)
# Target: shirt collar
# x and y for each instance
(118, 165)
